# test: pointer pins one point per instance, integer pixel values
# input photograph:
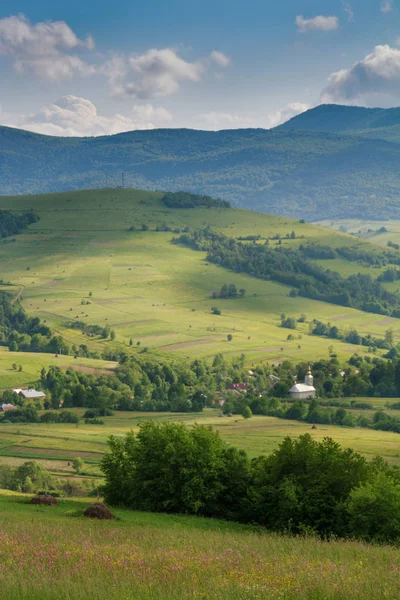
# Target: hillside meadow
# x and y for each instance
(157, 294)
(54, 552)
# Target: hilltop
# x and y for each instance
(116, 245)
(330, 161)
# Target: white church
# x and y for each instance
(304, 391)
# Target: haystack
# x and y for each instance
(98, 510)
(46, 499)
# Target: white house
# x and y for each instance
(304, 391)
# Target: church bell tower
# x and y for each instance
(309, 378)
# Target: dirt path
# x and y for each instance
(18, 296)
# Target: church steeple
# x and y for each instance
(309, 380)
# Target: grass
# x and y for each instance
(158, 294)
(33, 362)
(54, 552)
(55, 445)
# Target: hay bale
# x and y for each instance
(44, 499)
(98, 510)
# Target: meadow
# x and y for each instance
(54, 552)
(160, 295)
(54, 446)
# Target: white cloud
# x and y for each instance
(348, 9)
(377, 73)
(74, 116)
(222, 120)
(154, 73)
(220, 59)
(157, 72)
(286, 113)
(46, 49)
(386, 6)
(318, 23)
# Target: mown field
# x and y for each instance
(54, 446)
(54, 552)
(159, 294)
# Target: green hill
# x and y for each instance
(329, 161)
(158, 294)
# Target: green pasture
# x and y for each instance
(55, 552)
(159, 294)
(57, 444)
(33, 362)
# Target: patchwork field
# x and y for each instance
(54, 552)
(157, 294)
(54, 446)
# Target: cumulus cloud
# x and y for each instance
(222, 120)
(157, 72)
(318, 23)
(74, 116)
(377, 73)
(386, 6)
(46, 49)
(220, 59)
(288, 112)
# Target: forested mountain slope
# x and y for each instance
(327, 163)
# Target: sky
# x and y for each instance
(100, 67)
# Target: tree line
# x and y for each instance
(288, 266)
(189, 200)
(12, 223)
(304, 486)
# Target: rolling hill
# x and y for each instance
(329, 162)
(158, 294)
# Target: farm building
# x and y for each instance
(30, 394)
(6, 407)
(304, 391)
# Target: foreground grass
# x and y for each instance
(53, 552)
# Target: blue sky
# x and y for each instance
(101, 67)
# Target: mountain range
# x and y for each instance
(329, 162)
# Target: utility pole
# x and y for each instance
(123, 180)
(106, 180)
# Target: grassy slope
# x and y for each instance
(54, 552)
(159, 294)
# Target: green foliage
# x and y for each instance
(12, 223)
(246, 413)
(189, 200)
(169, 468)
(304, 486)
(78, 464)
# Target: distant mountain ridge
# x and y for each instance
(339, 119)
(329, 162)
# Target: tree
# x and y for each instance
(246, 413)
(90, 294)
(389, 338)
(216, 311)
(242, 292)
(145, 227)
(112, 334)
(131, 342)
(229, 337)
(78, 464)
(374, 510)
